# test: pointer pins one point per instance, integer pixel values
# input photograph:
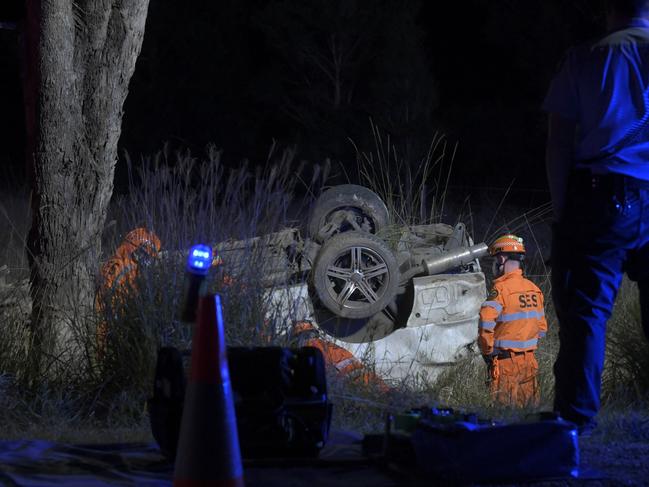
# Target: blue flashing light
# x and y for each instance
(200, 259)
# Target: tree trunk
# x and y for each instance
(84, 53)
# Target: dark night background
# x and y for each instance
(244, 73)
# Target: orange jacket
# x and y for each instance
(513, 317)
(120, 271)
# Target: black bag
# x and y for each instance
(465, 452)
(280, 397)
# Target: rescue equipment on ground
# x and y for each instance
(456, 448)
(516, 452)
(281, 400)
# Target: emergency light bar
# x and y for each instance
(199, 260)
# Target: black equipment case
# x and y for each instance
(280, 399)
(465, 452)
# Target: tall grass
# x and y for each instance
(414, 191)
(186, 201)
(626, 372)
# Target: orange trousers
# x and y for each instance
(514, 380)
(342, 360)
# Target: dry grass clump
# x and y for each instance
(15, 221)
(626, 369)
(414, 191)
(61, 413)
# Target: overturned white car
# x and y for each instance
(404, 299)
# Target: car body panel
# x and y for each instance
(448, 306)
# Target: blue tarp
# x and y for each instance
(44, 463)
(48, 464)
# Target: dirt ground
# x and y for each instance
(605, 463)
(619, 463)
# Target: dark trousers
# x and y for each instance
(603, 234)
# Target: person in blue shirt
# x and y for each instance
(597, 163)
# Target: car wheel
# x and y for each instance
(347, 207)
(355, 275)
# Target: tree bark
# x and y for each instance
(84, 53)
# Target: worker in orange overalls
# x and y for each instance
(343, 361)
(118, 277)
(511, 322)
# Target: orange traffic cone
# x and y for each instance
(208, 449)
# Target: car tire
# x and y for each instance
(347, 207)
(355, 275)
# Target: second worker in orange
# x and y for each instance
(512, 321)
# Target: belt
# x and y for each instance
(584, 178)
(510, 353)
